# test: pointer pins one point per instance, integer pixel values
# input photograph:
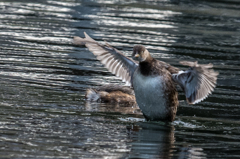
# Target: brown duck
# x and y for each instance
(153, 81)
(111, 94)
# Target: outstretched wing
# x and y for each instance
(114, 60)
(197, 82)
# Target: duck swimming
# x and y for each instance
(153, 81)
(111, 94)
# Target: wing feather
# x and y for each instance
(197, 82)
(114, 60)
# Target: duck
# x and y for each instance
(154, 81)
(115, 94)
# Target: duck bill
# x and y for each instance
(137, 55)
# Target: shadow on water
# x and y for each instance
(43, 78)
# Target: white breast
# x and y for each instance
(150, 95)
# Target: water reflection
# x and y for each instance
(151, 140)
(191, 152)
(105, 107)
(156, 140)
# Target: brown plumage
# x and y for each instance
(111, 94)
(149, 65)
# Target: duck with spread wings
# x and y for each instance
(153, 81)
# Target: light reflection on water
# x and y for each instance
(43, 79)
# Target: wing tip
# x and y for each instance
(195, 64)
(87, 37)
(82, 41)
(197, 100)
(78, 41)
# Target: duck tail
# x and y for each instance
(92, 95)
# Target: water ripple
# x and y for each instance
(44, 77)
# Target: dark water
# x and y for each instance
(43, 78)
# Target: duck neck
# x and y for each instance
(146, 66)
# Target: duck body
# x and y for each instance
(155, 91)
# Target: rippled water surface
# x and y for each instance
(43, 78)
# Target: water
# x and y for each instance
(43, 78)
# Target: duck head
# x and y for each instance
(141, 53)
